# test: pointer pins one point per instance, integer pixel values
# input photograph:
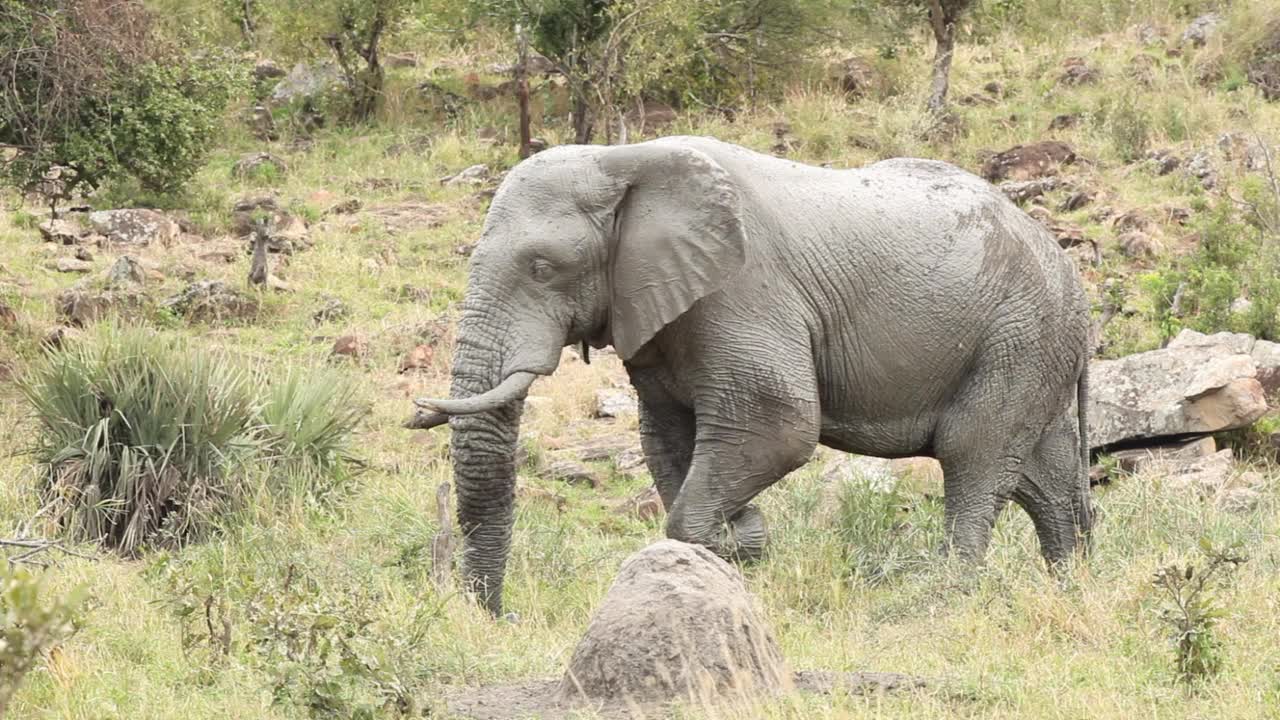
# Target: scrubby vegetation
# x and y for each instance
(253, 528)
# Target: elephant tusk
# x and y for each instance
(425, 420)
(513, 388)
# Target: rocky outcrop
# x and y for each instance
(615, 403)
(678, 622)
(138, 226)
(1028, 162)
(1201, 29)
(1197, 385)
(211, 301)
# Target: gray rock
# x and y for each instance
(1180, 390)
(125, 272)
(614, 403)
(61, 231)
(1265, 354)
(1202, 28)
(80, 306)
(306, 81)
(135, 227)
(251, 163)
(72, 265)
(1022, 191)
(876, 472)
(265, 69)
(572, 472)
(474, 175)
(211, 300)
(678, 621)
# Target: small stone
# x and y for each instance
(416, 359)
(874, 471)
(1201, 29)
(465, 249)
(645, 506)
(84, 253)
(349, 346)
(1139, 245)
(615, 404)
(332, 309)
(266, 69)
(1076, 200)
(124, 272)
(1064, 122)
(572, 472)
(63, 232)
(402, 60)
(1077, 72)
(1241, 306)
(72, 265)
(250, 164)
(474, 175)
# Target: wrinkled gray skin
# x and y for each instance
(761, 307)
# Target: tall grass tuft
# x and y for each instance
(308, 420)
(146, 439)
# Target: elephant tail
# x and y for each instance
(1085, 507)
(1082, 413)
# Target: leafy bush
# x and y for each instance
(332, 652)
(92, 95)
(144, 438)
(1190, 610)
(29, 625)
(1235, 258)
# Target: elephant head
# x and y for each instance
(590, 244)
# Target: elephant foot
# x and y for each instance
(741, 539)
(746, 535)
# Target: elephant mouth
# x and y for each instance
(514, 387)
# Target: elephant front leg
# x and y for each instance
(734, 458)
(666, 434)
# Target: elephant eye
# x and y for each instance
(540, 269)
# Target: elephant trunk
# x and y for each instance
(483, 449)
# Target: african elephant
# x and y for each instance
(762, 306)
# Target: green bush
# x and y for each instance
(144, 438)
(93, 92)
(30, 624)
(1235, 258)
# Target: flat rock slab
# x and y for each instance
(539, 699)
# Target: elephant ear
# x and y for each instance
(678, 237)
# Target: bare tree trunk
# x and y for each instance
(444, 543)
(944, 31)
(622, 128)
(522, 89)
(582, 129)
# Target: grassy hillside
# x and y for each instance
(324, 607)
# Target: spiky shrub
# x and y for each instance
(30, 623)
(308, 421)
(140, 436)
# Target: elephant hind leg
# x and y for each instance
(1054, 491)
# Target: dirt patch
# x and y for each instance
(539, 699)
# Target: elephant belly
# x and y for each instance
(880, 437)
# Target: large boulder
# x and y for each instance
(306, 81)
(1028, 162)
(677, 623)
(1265, 354)
(137, 226)
(1198, 384)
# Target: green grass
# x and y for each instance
(851, 582)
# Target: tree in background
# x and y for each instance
(352, 30)
(613, 53)
(88, 95)
(943, 15)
